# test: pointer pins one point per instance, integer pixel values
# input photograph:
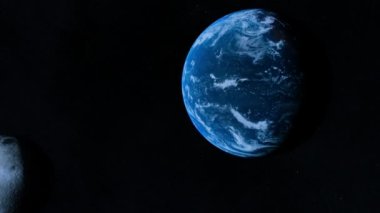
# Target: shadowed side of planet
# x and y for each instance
(242, 83)
(316, 87)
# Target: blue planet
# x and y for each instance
(242, 84)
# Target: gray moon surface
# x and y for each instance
(11, 174)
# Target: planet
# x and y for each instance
(11, 174)
(242, 83)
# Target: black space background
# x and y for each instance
(92, 91)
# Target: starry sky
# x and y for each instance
(92, 91)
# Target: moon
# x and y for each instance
(11, 174)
